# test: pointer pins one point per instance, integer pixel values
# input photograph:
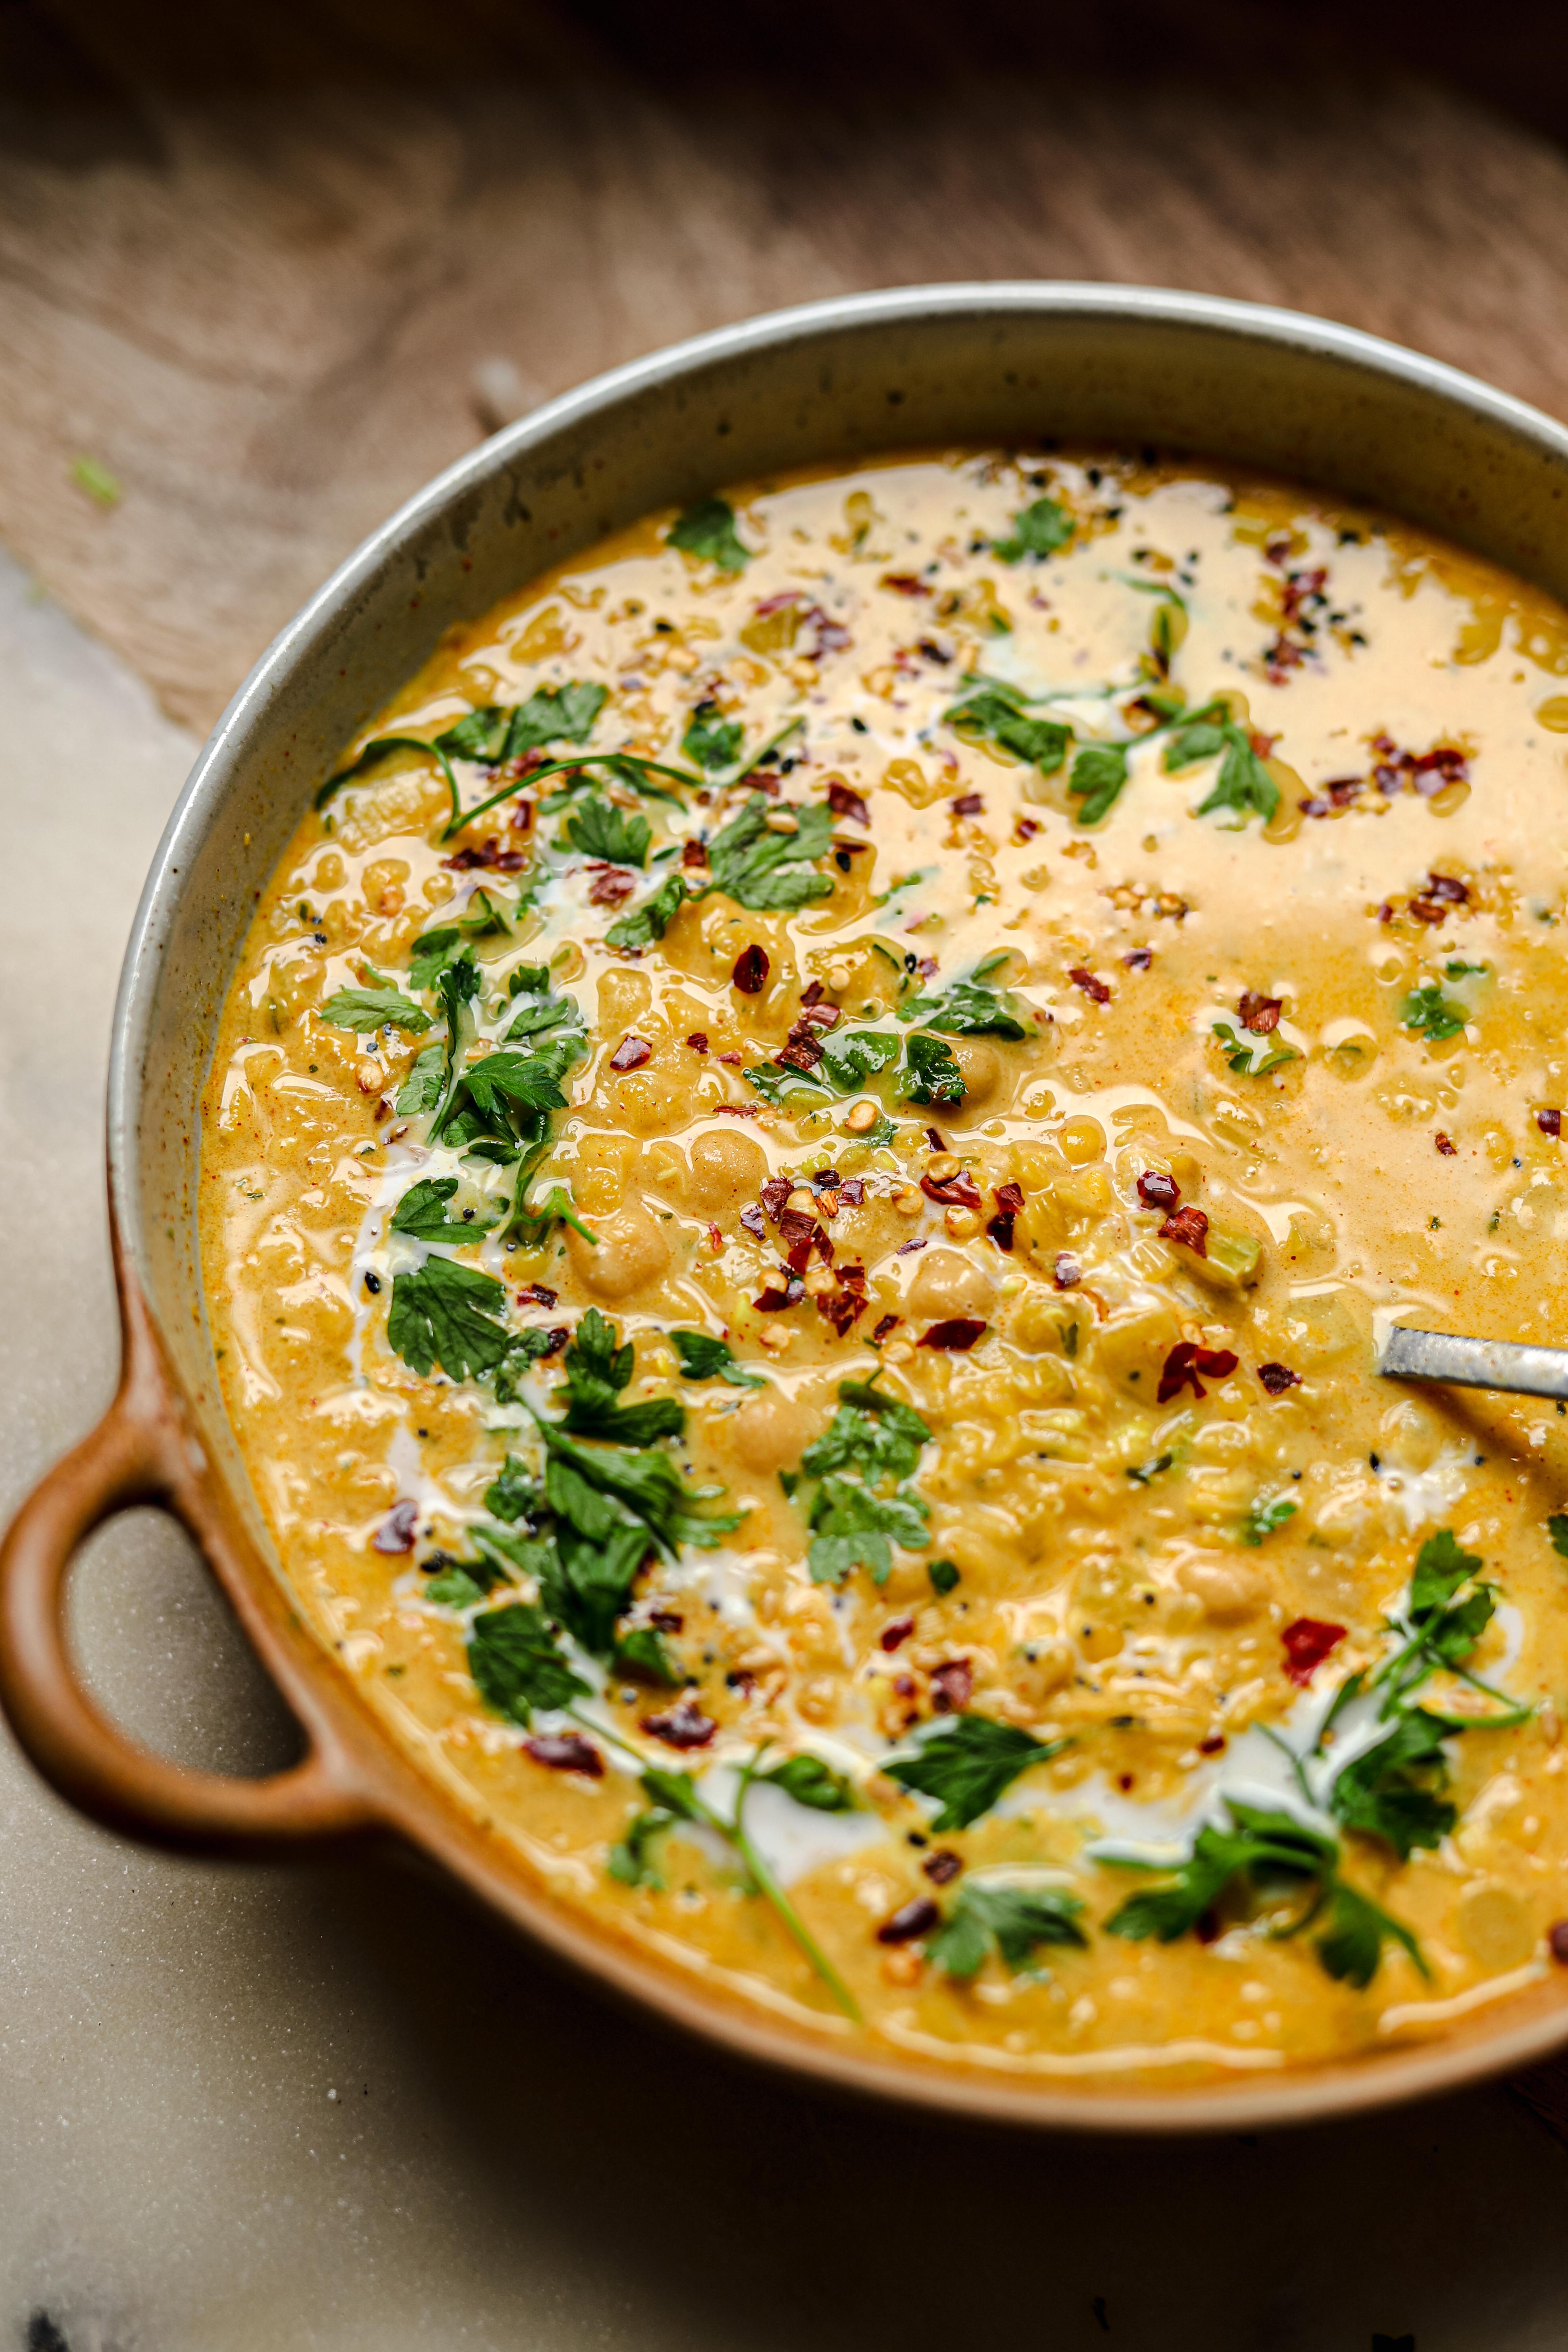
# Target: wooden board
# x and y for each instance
(251, 266)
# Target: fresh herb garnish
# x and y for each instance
(1248, 1054)
(451, 943)
(706, 1358)
(856, 1521)
(1267, 1514)
(710, 740)
(944, 1575)
(968, 1008)
(995, 710)
(967, 1763)
(931, 1072)
(652, 918)
(422, 1213)
(746, 860)
(708, 530)
(598, 829)
(1433, 1015)
(552, 714)
(648, 1485)
(813, 1783)
(1041, 529)
(597, 1371)
(518, 1662)
(1010, 1920)
(853, 1528)
(1244, 785)
(1098, 772)
(445, 1314)
(381, 1006)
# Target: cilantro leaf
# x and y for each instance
(1557, 1528)
(1386, 1791)
(631, 1859)
(423, 1088)
(1251, 1056)
(1039, 530)
(869, 1433)
(518, 1664)
(643, 1651)
(1441, 1567)
(552, 714)
(705, 1358)
(1265, 1516)
(445, 1314)
(652, 918)
(385, 1006)
(708, 530)
(1244, 785)
(856, 1528)
(450, 943)
(1358, 1929)
(514, 1493)
(1009, 1919)
(813, 1783)
(1431, 1014)
(710, 740)
(931, 1074)
(1273, 1844)
(597, 1370)
(967, 1763)
(850, 1057)
(540, 1008)
(598, 829)
(588, 1580)
(966, 1009)
(995, 710)
(422, 1213)
(745, 860)
(456, 1586)
(648, 1484)
(944, 1576)
(1098, 772)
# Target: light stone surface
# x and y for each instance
(507, 2162)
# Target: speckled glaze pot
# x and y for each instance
(919, 366)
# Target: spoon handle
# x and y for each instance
(1474, 1363)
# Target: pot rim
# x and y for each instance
(1289, 2096)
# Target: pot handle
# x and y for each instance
(139, 1452)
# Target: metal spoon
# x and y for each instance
(1474, 1363)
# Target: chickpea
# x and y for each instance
(1226, 1590)
(771, 1430)
(632, 1253)
(981, 1067)
(947, 1282)
(727, 1167)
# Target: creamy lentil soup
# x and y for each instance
(799, 1177)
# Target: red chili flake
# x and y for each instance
(1277, 1378)
(1190, 1227)
(1260, 1014)
(1449, 1149)
(1213, 1745)
(750, 973)
(1446, 887)
(1557, 1941)
(774, 1194)
(959, 1332)
(522, 816)
(935, 1140)
(905, 583)
(800, 1054)
(905, 1248)
(796, 1228)
(774, 1301)
(952, 1687)
(896, 1632)
(698, 1041)
(960, 1191)
(566, 1751)
(736, 1110)
(885, 1324)
(1337, 793)
(751, 1218)
(969, 804)
(715, 1239)
(556, 1340)
(1158, 1190)
(818, 1017)
(610, 885)
(1025, 829)
(852, 1191)
(395, 1532)
(943, 1866)
(1183, 1364)
(694, 853)
(1139, 959)
(488, 853)
(813, 992)
(1550, 1122)
(1067, 1273)
(844, 802)
(536, 1295)
(1385, 912)
(916, 1919)
(682, 1726)
(1010, 1199)
(926, 967)
(832, 636)
(1096, 989)
(631, 1053)
(1307, 1644)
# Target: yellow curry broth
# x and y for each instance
(1126, 1568)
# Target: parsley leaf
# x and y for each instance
(708, 530)
(1442, 1565)
(856, 1528)
(652, 918)
(530, 1079)
(423, 1088)
(1386, 1791)
(1557, 1528)
(456, 1586)
(1010, 1920)
(1039, 530)
(711, 739)
(1098, 772)
(813, 1783)
(1244, 785)
(519, 1664)
(552, 714)
(588, 1580)
(449, 943)
(1358, 1928)
(598, 829)
(597, 1370)
(944, 1575)
(930, 1072)
(869, 1433)
(1431, 1014)
(1265, 1515)
(967, 1763)
(513, 1492)
(648, 1484)
(705, 1358)
(995, 710)
(1250, 1055)
(385, 1006)
(422, 1213)
(850, 1057)
(745, 859)
(445, 1314)
(643, 1651)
